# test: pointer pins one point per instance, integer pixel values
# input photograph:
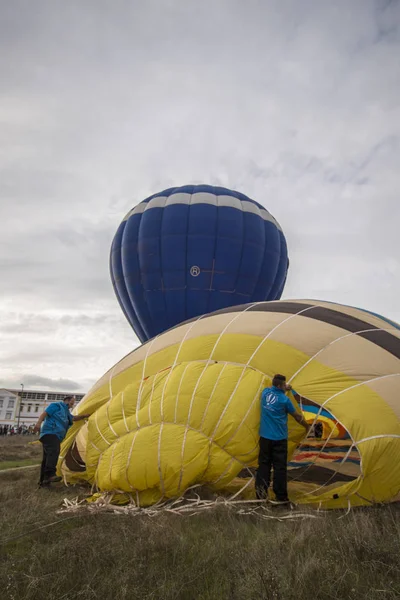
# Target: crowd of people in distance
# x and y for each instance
(14, 430)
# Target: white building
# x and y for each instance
(24, 408)
(8, 406)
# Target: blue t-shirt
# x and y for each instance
(58, 420)
(275, 406)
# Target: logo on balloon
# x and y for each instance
(195, 271)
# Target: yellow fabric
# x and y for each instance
(189, 414)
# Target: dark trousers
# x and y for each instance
(273, 455)
(51, 450)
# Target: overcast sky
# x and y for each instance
(295, 103)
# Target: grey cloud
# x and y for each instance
(103, 105)
(38, 382)
(45, 382)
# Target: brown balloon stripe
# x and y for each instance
(73, 460)
(318, 475)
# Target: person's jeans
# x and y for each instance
(273, 455)
(51, 450)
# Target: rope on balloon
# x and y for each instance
(190, 507)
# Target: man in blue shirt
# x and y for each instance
(275, 407)
(53, 424)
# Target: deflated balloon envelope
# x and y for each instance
(184, 408)
(191, 250)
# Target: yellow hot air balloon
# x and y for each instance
(184, 408)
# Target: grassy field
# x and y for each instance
(19, 451)
(15, 464)
(217, 555)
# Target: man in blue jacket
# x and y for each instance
(275, 407)
(53, 424)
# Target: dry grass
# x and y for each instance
(20, 447)
(213, 556)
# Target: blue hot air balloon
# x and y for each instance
(191, 250)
